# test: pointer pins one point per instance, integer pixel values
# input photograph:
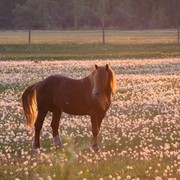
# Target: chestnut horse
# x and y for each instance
(88, 96)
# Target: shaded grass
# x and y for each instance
(87, 51)
(3, 88)
(79, 168)
(15, 87)
(73, 169)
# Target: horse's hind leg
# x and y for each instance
(38, 126)
(55, 127)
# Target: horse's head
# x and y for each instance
(104, 84)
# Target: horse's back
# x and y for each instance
(48, 90)
(62, 93)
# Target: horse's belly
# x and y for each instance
(75, 110)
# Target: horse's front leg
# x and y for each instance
(55, 127)
(95, 132)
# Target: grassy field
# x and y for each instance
(80, 45)
(139, 137)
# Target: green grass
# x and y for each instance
(87, 51)
(3, 88)
(79, 169)
(114, 165)
(16, 88)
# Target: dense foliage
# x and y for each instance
(89, 14)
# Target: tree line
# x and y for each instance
(89, 14)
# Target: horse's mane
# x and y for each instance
(112, 80)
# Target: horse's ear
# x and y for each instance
(107, 67)
(96, 66)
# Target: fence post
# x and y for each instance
(29, 36)
(103, 31)
(178, 34)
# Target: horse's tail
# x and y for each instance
(29, 103)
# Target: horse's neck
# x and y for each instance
(84, 83)
(91, 79)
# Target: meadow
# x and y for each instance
(140, 135)
(82, 45)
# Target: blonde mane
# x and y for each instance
(104, 73)
(112, 81)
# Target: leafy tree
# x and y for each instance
(76, 14)
(78, 11)
(6, 15)
(36, 14)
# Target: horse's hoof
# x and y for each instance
(59, 146)
(57, 142)
(36, 146)
(95, 148)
